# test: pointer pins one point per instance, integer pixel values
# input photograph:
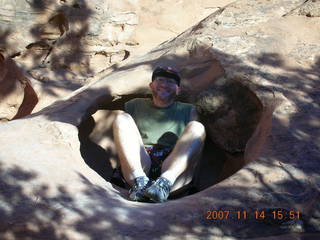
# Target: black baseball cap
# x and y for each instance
(166, 72)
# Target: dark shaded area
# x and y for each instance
(168, 137)
(93, 154)
(40, 5)
(30, 100)
(4, 36)
(270, 59)
(39, 214)
(20, 213)
(13, 81)
(68, 49)
(225, 108)
(210, 170)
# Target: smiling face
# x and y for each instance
(164, 91)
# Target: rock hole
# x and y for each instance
(229, 110)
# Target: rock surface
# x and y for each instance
(62, 44)
(48, 191)
(17, 96)
(231, 113)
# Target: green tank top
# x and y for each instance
(159, 126)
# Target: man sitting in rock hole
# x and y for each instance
(158, 140)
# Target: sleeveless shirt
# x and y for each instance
(159, 126)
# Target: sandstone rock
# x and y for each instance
(17, 18)
(309, 8)
(17, 97)
(231, 113)
(258, 46)
(88, 37)
(49, 20)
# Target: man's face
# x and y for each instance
(164, 89)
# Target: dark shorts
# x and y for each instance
(157, 156)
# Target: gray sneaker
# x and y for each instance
(159, 191)
(136, 193)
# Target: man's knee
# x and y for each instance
(122, 120)
(197, 129)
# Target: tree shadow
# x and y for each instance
(71, 24)
(26, 215)
(298, 132)
(4, 36)
(58, 48)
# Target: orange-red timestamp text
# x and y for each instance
(257, 214)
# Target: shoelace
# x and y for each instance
(164, 184)
(141, 182)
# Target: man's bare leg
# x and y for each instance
(132, 154)
(179, 166)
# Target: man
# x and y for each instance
(158, 140)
